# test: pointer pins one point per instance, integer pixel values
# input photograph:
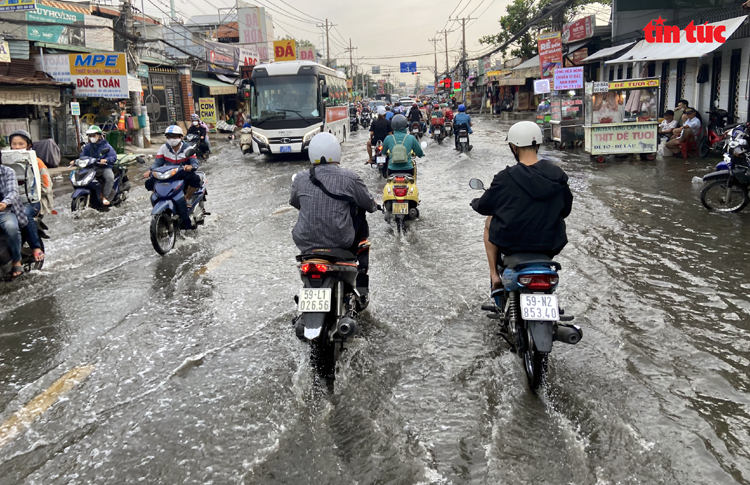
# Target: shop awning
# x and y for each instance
(227, 79)
(215, 88)
(29, 95)
(511, 81)
(609, 51)
(66, 47)
(644, 51)
(527, 69)
(577, 45)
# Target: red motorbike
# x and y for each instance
(713, 136)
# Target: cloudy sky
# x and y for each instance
(385, 32)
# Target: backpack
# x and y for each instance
(399, 153)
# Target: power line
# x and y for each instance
(303, 13)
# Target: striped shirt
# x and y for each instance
(9, 194)
(167, 155)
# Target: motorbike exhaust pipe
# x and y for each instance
(347, 327)
(569, 334)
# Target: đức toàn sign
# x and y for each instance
(99, 75)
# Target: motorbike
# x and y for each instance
(353, 120)
(438, 133)
(713, 138)
(448, 126)
(462, 143)
(379, 159)
(329, 305)
(194, 140)
(170, 211)
(726, 189)
(527, 309)
(246, 140)
(88, 186)
(415, 128)
(365, 120)
(401, 197)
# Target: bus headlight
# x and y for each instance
(261, 139)
(309, 135)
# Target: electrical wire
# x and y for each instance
(303, 13)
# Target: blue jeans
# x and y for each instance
(9, 225)
(208, 143)
(30, 231)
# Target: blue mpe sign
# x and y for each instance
(409, 67)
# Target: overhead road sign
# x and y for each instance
(409, 66)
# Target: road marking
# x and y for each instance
(214, 262)
(23, 418)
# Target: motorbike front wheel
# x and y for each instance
(79, 203)
(720, 197)
(163, 233)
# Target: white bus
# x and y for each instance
(290, 102)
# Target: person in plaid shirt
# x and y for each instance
(12, 215)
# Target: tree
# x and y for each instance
(300, 42)
(517, 17)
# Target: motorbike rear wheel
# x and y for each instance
(79, 203)
(323, 357)
(163, 232)
(718, 196)
(535, 363)
(703, 148)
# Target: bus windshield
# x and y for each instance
(285, 98)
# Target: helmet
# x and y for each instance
(324, 148)
(173, 130)
(461, 108)
(525, 134)
(414, 105)
(94, 130)
(195, 117)
(381, 110)
(23, 134)
(388, 108)
(399, 122)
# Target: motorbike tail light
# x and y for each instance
(400, 191)
(399, 179)
(538, 281)
(314, 270)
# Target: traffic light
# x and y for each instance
(415, 73)
(446, 83)
(457, 86)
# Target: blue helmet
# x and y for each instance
(461, 108)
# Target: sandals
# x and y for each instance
(105, 202)
(16, 272)
(38, 255)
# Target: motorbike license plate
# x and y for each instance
(381, 160)
(539, 307)
(463, 140)
(314, 300)
(285, 149)
(400, 208)
(415, 130)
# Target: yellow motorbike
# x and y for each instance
(401, 197)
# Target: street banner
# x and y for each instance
(4, 51)
(487, 64)
(16, 5)
(284, 50)
(256, 28)
(624, 138)
(60, 30)
(409, 66)
(376, 69)
(247, 55)
(99, 34)
(207, 109)
(541, 86)
(567, 78)
(578, 56)
(99, 75)
(579, 30)
(349, 84)
(221, 58)
(306, 53)
(550, 53)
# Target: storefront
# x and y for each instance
(162, 97)
(567, 106)
(224, 93)
(28, 104)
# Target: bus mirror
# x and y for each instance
(324, 92)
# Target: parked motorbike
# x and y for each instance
(88, 187)
(328, 304)
(462, 144)
(726, 189)
(170, 211)
(379, 159)
(194, 140)
(365, 120)
(416, 129)
(527, 309)
(246, 140)
(713, 139)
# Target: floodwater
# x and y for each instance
(198, 377)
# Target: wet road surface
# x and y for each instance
(198, 378)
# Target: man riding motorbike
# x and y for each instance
(173, 152)
(379, 129)
(12, 216)
(94, 148)
(527, 203)
(461, 119)
(389, 113)
(401, 137)
(197, 129)
(332, 202)
(415, 116)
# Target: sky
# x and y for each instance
(384, 32)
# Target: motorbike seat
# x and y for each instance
(333, 255)
(520, 260)
(202, 176)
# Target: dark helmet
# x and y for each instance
(23, 134)
(399, 122)
(414, 105)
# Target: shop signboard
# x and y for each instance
(4, 51)
(578, 56)
(207, 109)
(22, 95)
(567, 78)
(376, 69)
(550, 53)
(600, 87)
(75, 108)
(17, 5)
(143, 70)
(248, 55)
(579, 30)
(285, 50)
(306, 53)
(61, 29)
(487, 64)
(56, 65)
(541, 86)
(349, 84)
(634, 84)
(221, 57)
(617, 138)
(256, 28)
(99, 75)
(99, 34)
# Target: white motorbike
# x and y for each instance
(246, 140)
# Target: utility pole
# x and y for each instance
(434, 46)
(446, 52)
(133, 61)
(328, 27)
(464, 71)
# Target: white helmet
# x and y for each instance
(381, 110)
(525, 134)
(324, 148)
(173, 130)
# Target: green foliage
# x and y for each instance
(300, 42)
(519, 13)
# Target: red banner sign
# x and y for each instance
(550, 53)
(335, 114)
(579, 30)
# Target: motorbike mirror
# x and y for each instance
(190, 152)
(105, 151)
(294, 176)
(423, 145)
(476, 184)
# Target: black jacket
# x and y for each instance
(528, 205)
(415, 115)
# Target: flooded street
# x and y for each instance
(197, 377)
